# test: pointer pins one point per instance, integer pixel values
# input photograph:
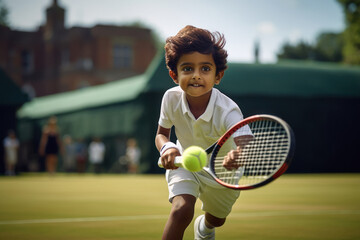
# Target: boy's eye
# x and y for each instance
(205, 68)
(187, 69)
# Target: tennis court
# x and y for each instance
(296, 206)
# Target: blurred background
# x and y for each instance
(81, 81)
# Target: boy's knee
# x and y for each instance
(214, 221)
(183, 207)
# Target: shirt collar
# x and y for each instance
(206, 116)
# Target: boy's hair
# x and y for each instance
(191, 39)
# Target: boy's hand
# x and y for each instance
(168, 158)
(231, 160)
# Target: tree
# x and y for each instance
(300, 51)
(4, 12)
(351, 48)
(329, 47)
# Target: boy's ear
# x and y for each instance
(173, 76)
(218, 77)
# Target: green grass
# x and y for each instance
(314, 206)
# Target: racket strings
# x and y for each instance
(259, 158)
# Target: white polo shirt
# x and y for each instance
(220, 114)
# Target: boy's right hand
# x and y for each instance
(168, 158)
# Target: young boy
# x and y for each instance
(200, 114)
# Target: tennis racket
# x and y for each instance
(251, 154)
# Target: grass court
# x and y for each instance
(99, 207)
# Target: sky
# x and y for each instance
(243, 22)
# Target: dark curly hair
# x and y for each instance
(191, 39)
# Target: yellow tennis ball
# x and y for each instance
(194, 159)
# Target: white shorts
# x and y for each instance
(216, 199)
(11, 157)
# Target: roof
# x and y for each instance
(295, 79)
(90, 97)
(10, 93)
(291, 78)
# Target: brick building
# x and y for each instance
(55, 59)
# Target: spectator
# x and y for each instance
(50, 144)
(11, 146)
(96, 154)
(80, 152)
(69, 154)
(133, 154)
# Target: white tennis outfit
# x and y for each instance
(11, 146)
(220, 114)
(96, 152)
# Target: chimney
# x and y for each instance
(55, 21)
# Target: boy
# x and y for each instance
(200, 114)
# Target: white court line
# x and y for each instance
(88, 219)
(292, 213)
(155, 217)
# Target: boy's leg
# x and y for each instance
(212, 221)
(217, 205)
(181, 215)
(204, 226)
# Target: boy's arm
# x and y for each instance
(231, 159)
(168, 157)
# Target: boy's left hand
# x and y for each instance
(231, 159)
(168, 158)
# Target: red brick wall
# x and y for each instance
(50, 75)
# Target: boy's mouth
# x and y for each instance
(195, 85)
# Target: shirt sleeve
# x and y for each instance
(165, 120)
(234, 117)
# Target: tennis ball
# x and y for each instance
(194, 159)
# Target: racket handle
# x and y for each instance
(177, 162)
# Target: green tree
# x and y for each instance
(300, 51)
(4, 12)
(327, 48)
(351, 48)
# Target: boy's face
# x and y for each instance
(196, 74)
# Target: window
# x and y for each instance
(27, 62)
(65, 58)
(84, 64)
(122, 56)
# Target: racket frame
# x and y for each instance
(217, 146)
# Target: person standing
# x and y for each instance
(50, 144)
(11, 146)
(96, 154)
(80, 155)
(133, 154)
(69, 161)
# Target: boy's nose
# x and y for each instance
(196, 75)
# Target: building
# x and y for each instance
(54, 59)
